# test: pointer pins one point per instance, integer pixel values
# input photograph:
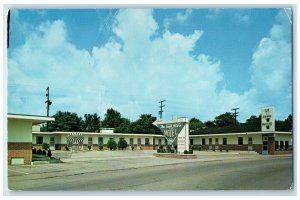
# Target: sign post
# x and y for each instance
(176, 129)
(268, 119)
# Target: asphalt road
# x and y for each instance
(270, 173)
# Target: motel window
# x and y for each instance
(203, 141)
(240, 141)
(276, 145)
(147, 141)
(100, 140)
(224, 141)
(131, 141)
(216, 141)
(210, 141)
(159, 141)
(250, 141)
(281, 144)
(139, 141)
(286, 145)
(39, 139)
(191, 141)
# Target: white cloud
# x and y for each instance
(182, 17)
(133, 75)
(242, 18)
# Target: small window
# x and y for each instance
(100, 140)
(147, 141)
(216, 141)
(139, 141)
(210, 141)
(224, 141)
(276, 145)
(281, 144)
(286, 145)
(159, 141)
(39, 139)
(240, 141)
(90, 139)
(191, 141)
(203, 141)
(131, 141)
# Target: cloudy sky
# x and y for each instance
(203, 62)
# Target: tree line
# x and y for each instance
(67, 121)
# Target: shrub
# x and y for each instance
(161, 147)
(132, 147)
(111, 144)
(101, 147)
(67, 148)
(44, 152)
(172, 151)
(191, 151)
(158, 150)
(34, 151)
(49, 154)
(200, 148)
(89, 147)
(45, 146)
(122, 144)
(221, 149)
(185, 152)
(39, 152)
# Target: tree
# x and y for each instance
(124, 127)
(254, 120)
(65, 121)
(144, 124)
(112, 119)
(195, 124)
(225, 119)
(91, 123)
(289, 122)
(209, 124)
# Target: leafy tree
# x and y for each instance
(122, 144)
(65, 121)
(111, 144)
(144, 124)
(195, 124)
(209, 124)
(91, 123)
(254, 120)
(289, 122)
(112, 119)
(225, 119)
(124, 127)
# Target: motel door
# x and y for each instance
(52, 145)
(264, 145)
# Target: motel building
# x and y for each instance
(19, 137)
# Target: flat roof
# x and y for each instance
(35, 119)
(98, 134)
(241, 133)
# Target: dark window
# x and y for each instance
(100, 140)
(276, 145)
(268, 119)
(224, 141)
(281, 144)
(131, 141)
(203, 141)
(159, 141)
(191, 141)
(286, 145)
(216, 141)
(210, 141)
(166, 141)
(268, 127)
(39, 139)
(139, 141)
(240, 141)
(147, 141)
(250, 141)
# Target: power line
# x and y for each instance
(161, 106)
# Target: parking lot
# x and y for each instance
(130, 170)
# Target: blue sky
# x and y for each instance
(203, 62)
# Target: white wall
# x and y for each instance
(231, 139)
(19, 131)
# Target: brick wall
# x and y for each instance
(20, 150)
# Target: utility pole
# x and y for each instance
(235, 114)
(48, 101)
(161, 106)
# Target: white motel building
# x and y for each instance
(24, 134)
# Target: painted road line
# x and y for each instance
(18, 171)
